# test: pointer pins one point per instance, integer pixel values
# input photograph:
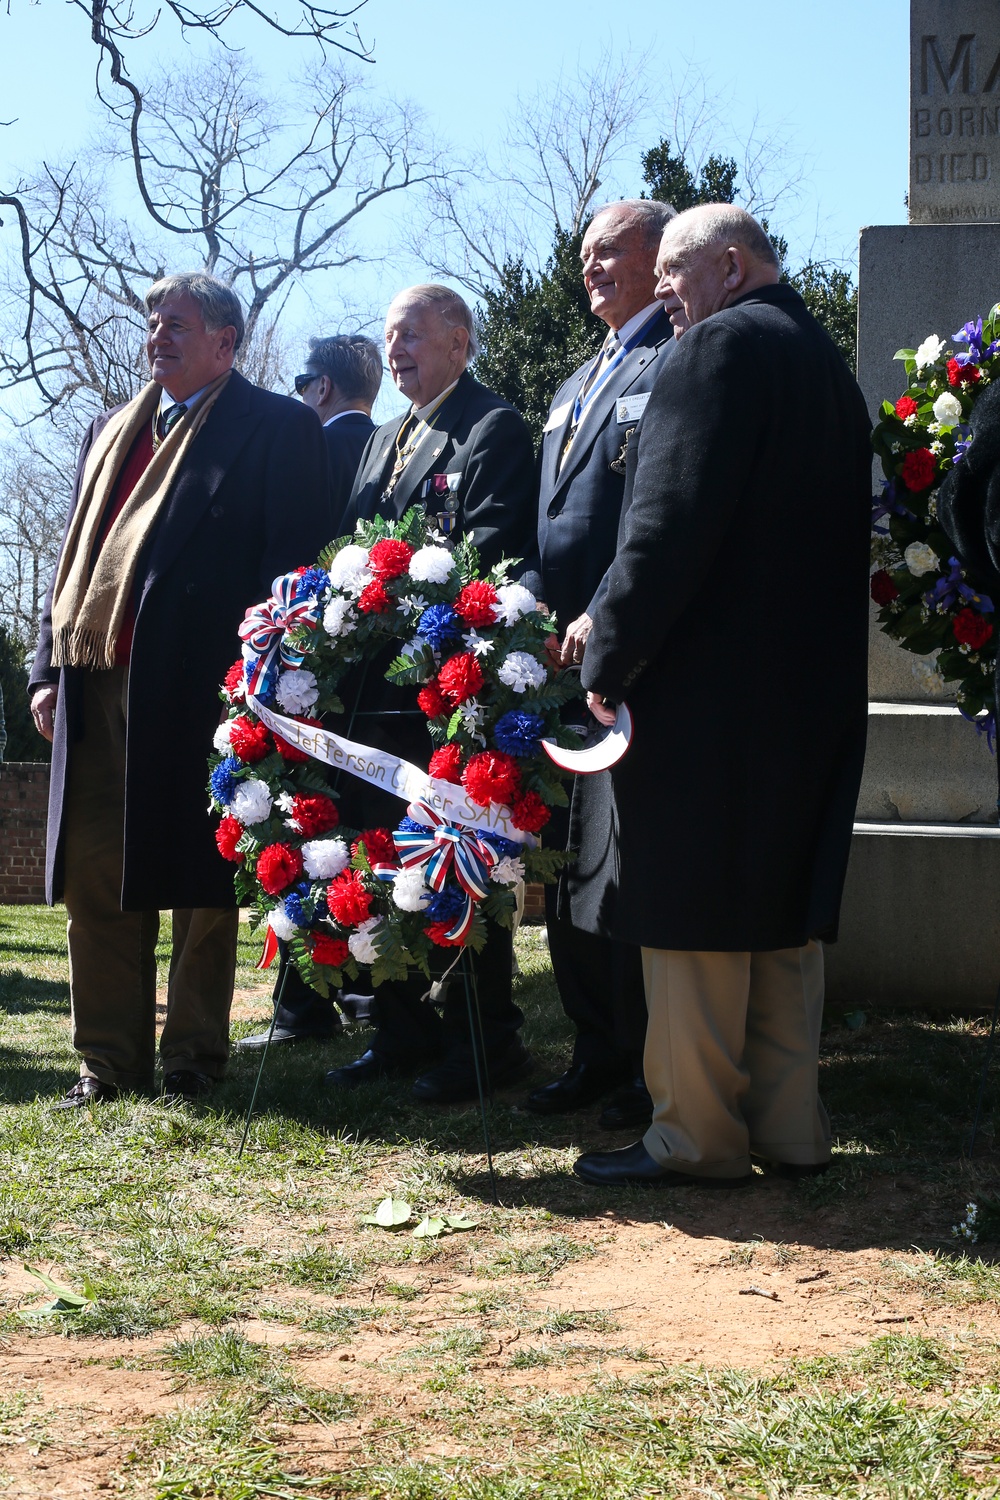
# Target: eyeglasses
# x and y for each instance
(303, 382)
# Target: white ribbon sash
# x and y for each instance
(393, 775)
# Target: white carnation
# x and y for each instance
(508, 872)
(338, 617)
(948, 409)
(283, 927)
(349, 570)
(929, 352)
(927, 676)
(920, 559)
(297, 691)
(521, 671)
(220, 739)
(251, 802)
(514, 601)
(325, 858)
(362, 941)
(409, 891)
(430, 565)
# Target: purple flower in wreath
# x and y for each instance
(440, 625)
(886, 504)
(224, 780)
(985, 724)
(972, 334)
(519, 734)
(964, 443)
(951, 587)
(446, 905)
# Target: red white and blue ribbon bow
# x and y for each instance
(446, 849)
(265, 631)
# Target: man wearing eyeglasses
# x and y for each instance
(340, 381)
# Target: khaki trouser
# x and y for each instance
(112, 953)
(731, 1060)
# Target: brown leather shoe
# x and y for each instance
(87, 1091)
(185, 1084)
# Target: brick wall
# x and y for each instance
(24, 795)
(534, 903)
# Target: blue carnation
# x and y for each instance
(299, 908)
(312, 581)
(505, 848)
(224, 780)
(518, 733)
(439, 624)
(447, 905)
(410, 825)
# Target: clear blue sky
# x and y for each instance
(834, 76)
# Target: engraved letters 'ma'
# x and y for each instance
(954, 112)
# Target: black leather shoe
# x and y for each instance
(793, 1170)
(280, 1035)
(185, 1084)
(574, 1089)
(453, 1080)
(87, 1091)
(628, 1107)
(634, 1164)
(364, 1069)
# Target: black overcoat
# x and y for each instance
(734, 624)
(346, 440)
(252, 501)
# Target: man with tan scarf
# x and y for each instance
(189, 500)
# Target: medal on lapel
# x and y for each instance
(442, 490)
(617, 465)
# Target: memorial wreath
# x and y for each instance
(475, 648)
(926, 603)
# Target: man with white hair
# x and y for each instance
(734, 623)
(465, 456)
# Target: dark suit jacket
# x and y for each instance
(579, 506)
(487, 443)
(735, 625)
(252, 501)
(346, 440)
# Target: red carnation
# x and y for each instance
(432, 700)
(378, 846)
(971, 629)
(882, 588)
(329, 950)
(530, 813)
(227, 836)
(278, 867)
(248, 739)
(235, 683)
(475, 603)
(373, 599)
(292, 752)
(313, 814)
(492, 776)
(460, 678)
(906, 407)
(963, 374)
(919, 469)
(438, 933)
(389, 558)
(446, 764)
(349, 902)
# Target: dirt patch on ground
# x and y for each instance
(697, 1287)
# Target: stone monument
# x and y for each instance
(921, 918)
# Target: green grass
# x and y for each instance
(195, 1255)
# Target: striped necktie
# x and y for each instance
(170, 418)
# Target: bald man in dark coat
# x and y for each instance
(734, 623)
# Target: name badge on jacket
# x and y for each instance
(557, 416)
(631, 408)
(442, 489)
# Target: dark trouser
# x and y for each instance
(599, 981)
(409, 1027)
(112, 953)
(300, 1007)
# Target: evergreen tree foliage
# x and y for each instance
(535, 330)
(670, 181)
(23, 740)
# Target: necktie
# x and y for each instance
(609, 349)
(170, 418)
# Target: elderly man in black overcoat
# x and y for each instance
(734, 624)
(189, 501)
(464, 456)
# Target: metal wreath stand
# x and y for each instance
(462, 961)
